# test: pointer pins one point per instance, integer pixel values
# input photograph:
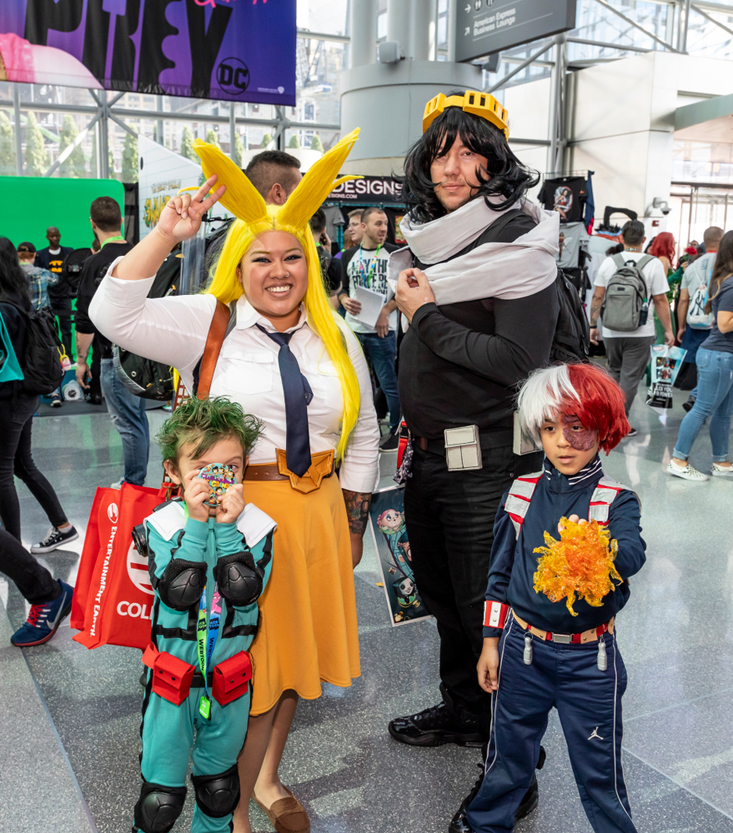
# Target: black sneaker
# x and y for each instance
(55, 539)
(56, 399)
(434, 727)
(391, 442)
(688, 406)
(632, 433)
(459, 823)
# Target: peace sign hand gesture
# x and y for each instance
(182, 215)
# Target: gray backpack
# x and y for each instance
(625, 304)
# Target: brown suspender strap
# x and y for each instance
(214, 340)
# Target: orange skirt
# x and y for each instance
(308, 631)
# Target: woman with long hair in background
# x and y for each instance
(17, 407)
(715, 377)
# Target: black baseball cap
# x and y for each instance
(26, 247)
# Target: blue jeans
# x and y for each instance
(129, 418)
(382, 352)
(714, 400)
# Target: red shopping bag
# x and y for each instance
(113, 598)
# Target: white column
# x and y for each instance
(363, 31)
(399, 24)
(420, 29)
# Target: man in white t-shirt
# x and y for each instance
(364, 267)
(628, 352)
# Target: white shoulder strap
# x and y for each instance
(603, 496)
(519, 497)
(168, 520)
(254, 524)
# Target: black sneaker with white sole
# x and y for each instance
(56, 538)
(632, 433)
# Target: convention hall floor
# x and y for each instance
(70, 717)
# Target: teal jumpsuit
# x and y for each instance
(185, 557)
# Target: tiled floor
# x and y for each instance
(70, 718)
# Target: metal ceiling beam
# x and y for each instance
(604, 45)
(636, 25)
(696, 8)
(523, 65)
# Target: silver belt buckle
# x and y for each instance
(463, 448)
(562, 638)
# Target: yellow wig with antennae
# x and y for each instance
(254, 218)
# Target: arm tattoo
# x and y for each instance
(595, 309)
(357, 510)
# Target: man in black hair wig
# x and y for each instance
(477, 284)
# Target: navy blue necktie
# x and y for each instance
(298, 395)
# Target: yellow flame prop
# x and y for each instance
(579, 565)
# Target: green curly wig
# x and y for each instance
(204, 422)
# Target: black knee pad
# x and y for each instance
(158, 807)
(217, 795)
(182, 583)
(240, 582)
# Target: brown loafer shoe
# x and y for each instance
(287, 814)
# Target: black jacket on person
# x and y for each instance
(94, 269)
(460, 363)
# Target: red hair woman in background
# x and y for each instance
(663, 247)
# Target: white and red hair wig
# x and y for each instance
(584, 390)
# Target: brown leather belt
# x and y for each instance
(591, 635)
(269, 471)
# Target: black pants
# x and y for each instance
(450, 524)
(62, 309)
(36, 584)
(16, 420)
(95, 383)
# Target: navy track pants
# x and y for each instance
(589, 705)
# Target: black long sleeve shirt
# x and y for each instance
(460, 363)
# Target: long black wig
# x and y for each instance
(507, 176)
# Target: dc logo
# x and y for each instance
(233, 76)
(113, 513)
(137, 570)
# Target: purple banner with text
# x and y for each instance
(235, 50)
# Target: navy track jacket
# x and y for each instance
(514, 562)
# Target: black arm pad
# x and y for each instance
(182, 583)
(239, 581)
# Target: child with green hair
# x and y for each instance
(210, 557)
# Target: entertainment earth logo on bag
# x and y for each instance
(111, 511)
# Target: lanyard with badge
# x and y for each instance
(206, 636)
(367, 280)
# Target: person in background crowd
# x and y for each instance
(365, 266)
(275, 174)
(52, 258)
(38, 279)
(49, 598)
(126, 410)
(469, 343)
(715, 377)
(16, 417)
(330, 267)
(628, 352)
(353, 233)
(663, 247)
(697, 274)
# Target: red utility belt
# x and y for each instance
(173, 678)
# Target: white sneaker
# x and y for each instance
(686, 473)
(721, 471)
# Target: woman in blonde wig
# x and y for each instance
(269, 271)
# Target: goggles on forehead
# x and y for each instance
(478, 104)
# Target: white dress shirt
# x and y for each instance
(173, 331)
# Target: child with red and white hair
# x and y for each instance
(549, 627)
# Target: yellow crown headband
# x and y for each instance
(246, 203)
(478, 104)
